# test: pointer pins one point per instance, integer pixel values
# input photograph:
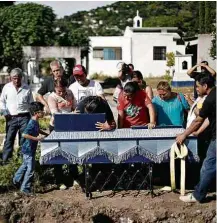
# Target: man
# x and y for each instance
(14, 103)
(204, 66)
(48, 84)
(84, 87)
(205, 85)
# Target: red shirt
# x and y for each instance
(135, 111)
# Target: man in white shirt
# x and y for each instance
(84, 87)
(14, 104)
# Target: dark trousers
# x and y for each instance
(13, 125)
(207, 173)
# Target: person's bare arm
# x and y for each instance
(197, 122)
(189, 100)
(41, 99)
(149, 92)
(151, 115)
(120, 119)
(27, 136)
(191, 70)
(202, 127)
(211, 71)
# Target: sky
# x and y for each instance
(62, 8)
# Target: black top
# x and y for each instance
(107, 110)
(48, 85)
(209, 111)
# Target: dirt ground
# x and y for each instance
(72, 206)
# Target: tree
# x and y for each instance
(170, 61)
(24, 25)
(201, 17)
(213, 46)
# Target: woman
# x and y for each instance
(61, 100)
(134, 107)
(169, 106)
(95, 104)
(137, 77)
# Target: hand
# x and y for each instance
(151, 125)
(102, 126)
(180, 138)
(76, 112)
(47, 110)
(40, 138)
(203, 65)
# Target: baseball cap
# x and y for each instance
(79, 70)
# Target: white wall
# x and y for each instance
(108, 67)
(203, 48)
(137, 48)
(142, 45)
(178, 63)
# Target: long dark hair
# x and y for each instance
(131, 87)
(95, 104)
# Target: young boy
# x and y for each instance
(31, 137)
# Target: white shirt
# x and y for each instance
(14, 102)
(94, 88)
(191, 114)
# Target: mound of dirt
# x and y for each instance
(72, 206)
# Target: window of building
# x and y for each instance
(159, 53)
(107, 53)
(184, 65)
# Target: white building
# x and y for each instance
(144, 47)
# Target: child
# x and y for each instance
(31, 137)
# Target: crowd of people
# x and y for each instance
(136, 106)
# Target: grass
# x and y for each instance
(44, 124)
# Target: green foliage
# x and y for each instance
(170, 59)
(7, 171)
(24, 25)
(213, 46)
(99, 76)
(2, 125)
(44, 123)
(115, 17)
(167, 76)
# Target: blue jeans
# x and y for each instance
(12, 126)
(25, 172)
(207, 172)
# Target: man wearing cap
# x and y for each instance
(48, 85)
(14, 103)
(84, 87)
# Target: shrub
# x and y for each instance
(99, 76)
